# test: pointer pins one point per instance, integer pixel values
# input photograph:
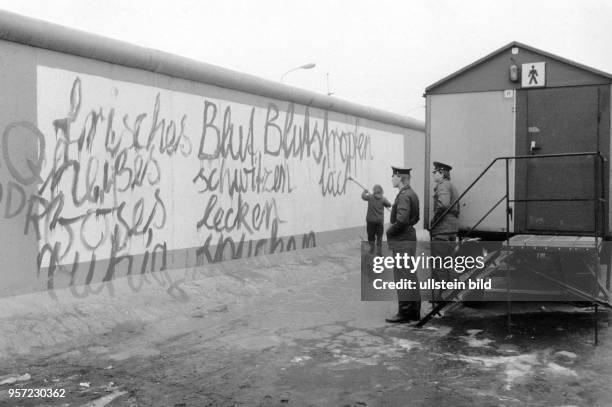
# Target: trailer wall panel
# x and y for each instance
(468, 131)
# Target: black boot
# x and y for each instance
(402, 318)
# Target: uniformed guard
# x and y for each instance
(444, 227)
(401, 238)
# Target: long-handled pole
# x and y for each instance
(362, 187)
(355, 181)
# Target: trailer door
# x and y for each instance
(558, 190)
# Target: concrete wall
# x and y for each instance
(468, 131)
(108, 170)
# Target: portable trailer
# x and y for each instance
(528, 133)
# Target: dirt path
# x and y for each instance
(310, 341)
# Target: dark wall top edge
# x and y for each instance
(42, 34)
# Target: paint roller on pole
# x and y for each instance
(362, 187)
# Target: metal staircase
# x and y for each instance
(523, 253)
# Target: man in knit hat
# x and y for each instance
(375, 218)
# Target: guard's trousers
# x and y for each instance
(409, 301)
(442, 246)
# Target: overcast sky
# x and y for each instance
(378, 53)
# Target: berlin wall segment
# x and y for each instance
(125, 173)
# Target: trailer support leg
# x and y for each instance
(596, 325)
(508, 306)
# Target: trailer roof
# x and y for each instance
(489, 57)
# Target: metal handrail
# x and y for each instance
(597, 198)
(485, 216)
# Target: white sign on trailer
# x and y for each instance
(533, 75)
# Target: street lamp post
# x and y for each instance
(329, 93)
(305, 66)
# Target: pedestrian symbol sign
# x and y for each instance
(533, 75)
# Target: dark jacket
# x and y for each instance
(404, 215)
(376, 207)
(444, 195)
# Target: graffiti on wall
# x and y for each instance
(115, 176)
